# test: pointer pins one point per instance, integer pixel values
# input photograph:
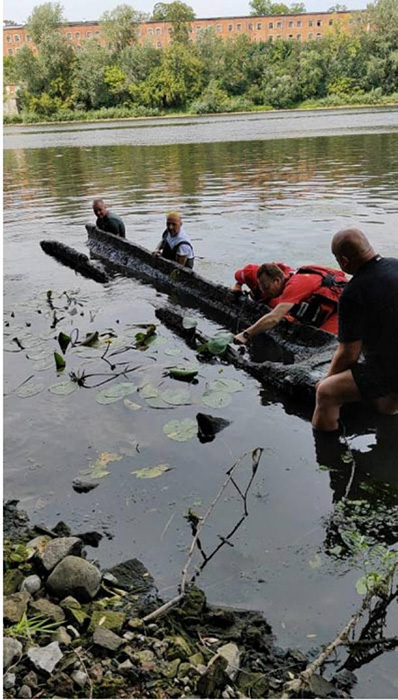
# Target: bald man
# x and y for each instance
(368, 323)
(107, 221)
(175, 244)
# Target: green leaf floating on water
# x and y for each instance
(29, 389)
(90, 339)
(181, 430)
(59, 361)
(63, 388)
(181, 397)
(185, 374)
(131, 405)
(115, 392)
(157, 402)
(148, 391)
(216, 399)
(218, 344)
(189, 322)
(228, 385)
(316, 562)
(173, 352)
(152, 472)
(64, 340)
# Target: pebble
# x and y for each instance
(80, 678)
(25, 692)
(31, 584)
(9, 681)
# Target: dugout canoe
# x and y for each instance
(290, 357)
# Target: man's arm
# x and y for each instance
(181, 259)
(265, 323)
(345, 357)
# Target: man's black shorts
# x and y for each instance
(372, 382)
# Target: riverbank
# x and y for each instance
(123, 113)
(72, 630)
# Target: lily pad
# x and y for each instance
(151, 472)
(157, 402)
(173, 352)
(189, 322)
(181, 397)
(180, 430)
(131, 405)
(219, 344)
(216, 399)
(228, 385)
(29, 389)
(63, 388)
(115, 392)
(148, 391)
(183, 374)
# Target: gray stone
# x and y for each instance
(58, 549)
(70, 602)
(45, 658)
(125, 666)
(38, 544)
(81, 486)
(25, 692)
(106, 639)
(109, 578)
(214, 679)
(231, 653)
(62, 636)
(320, 687)
(11, 581)
(14, 606)
(80, 678)
(31, 680)
(12, 651)
(48, 609)
(9, 681)
(31, 584)
(74, 576)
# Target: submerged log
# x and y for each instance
(72, 258)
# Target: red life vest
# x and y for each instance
(323, 302)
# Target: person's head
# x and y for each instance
(271, 280)
(174, 223)
(99, 208)
(351, 249)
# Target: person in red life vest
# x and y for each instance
(309, 295)
(248, 276)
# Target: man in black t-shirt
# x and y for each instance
(107, 221)
(368, 323)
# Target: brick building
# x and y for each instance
(300, 27)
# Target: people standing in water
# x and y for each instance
(107, 221)
(175, 244)
(368, 324)
(308, 295)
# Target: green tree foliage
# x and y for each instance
(90, 87)
(10, 72)
(267, 7)
(179, 14)
(45, 19)
(338, 8)
(120, 26)
(177, 80)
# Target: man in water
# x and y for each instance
(308, 295)
(107, 221)
(368, 323)
(175, 244)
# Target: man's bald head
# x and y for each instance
(351, 249)
(99, 208)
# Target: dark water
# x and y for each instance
(243, 201)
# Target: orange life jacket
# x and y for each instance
(323, 302)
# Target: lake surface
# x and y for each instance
(250, 188)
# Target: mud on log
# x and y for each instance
(72, 258)
(297, 380)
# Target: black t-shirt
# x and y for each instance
(368, 311)
(111, 223)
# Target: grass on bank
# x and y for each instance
(238, 104)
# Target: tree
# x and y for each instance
(120, 26)
(338, 8)
(44, 19)
(178, 79)
(89, 84)
(267, 7)
(10, 73)
(179, 14)
(9, 23)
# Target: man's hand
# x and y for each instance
(241, 339)
(156, 252)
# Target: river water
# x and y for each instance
(250, 188)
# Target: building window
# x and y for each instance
(69, 36)
(150, 31)
(28, 37)
(10, 52)
(198, 29)
(238, 27)
(298, 37)
(319, 36)
(8, 38)
(258, 25)
(88, 35)
(219, 28)
(77, 35)
(16, 38)
(291, 24)
(279, 36)
(271, 25)
(97, 33)
(310, 23)
(310, 36)
(279, 25)
(250, 26)
(270, 38)
(290, 36)
(159, 44)
(330, 22)
(230, 27)
(319, 23)
(157, 30)
(299, 23)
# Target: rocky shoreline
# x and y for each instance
(72, 630)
